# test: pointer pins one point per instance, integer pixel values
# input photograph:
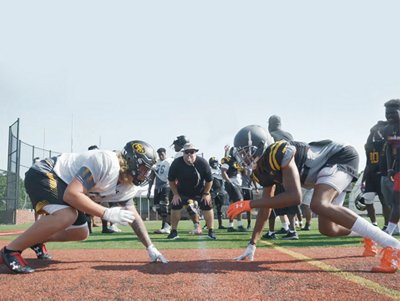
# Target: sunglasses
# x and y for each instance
(189, 152)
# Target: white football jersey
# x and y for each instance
(104, 166)
(161, 170)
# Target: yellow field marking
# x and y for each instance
(377, 288)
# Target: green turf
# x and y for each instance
(127, 239)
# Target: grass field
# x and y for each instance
(225, 240)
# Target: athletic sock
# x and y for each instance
(352, 233)
(240, 223)
(285, 226)
(390, 228)
(367, 230)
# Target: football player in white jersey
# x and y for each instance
(63, 188)
(159, 174)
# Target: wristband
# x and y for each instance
(206, 193)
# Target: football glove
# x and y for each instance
(236, 208)
(117, 215)
(155, 255)
(248, 253)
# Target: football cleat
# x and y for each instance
(41, 251)
(370, 248)
(14, 262)
(389, 261)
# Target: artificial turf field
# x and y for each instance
(115, 267)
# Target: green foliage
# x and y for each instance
(3, 191)
(23, 202)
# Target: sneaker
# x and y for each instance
(282, 231)
(241, 229)
(166, 229)
(221, 227)
(15, 262)
(269, 236)
(306, 228)
(115, 228)
(211, 235)
(197, 230)
(389, 261)
(107, 231)
(291, 236)
(231, 229)
(370, 248)
(41, 251)
(173, 235)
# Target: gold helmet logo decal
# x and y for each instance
(139, 148)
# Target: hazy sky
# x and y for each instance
(106, 72)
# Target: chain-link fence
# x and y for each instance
(21, 155)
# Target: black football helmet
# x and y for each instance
(213, 162)
(180, 141)
(359, 202)
(250, 142)
(138, 153)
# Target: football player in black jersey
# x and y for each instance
(329, 168)
(372, 176)
(391, 135)
(230, 171)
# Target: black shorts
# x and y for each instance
(161, 196)
(219, 198)
(185, 200)
(293, 210)
(247, 194)
(47, 189)
(234, 192)
(373, 182)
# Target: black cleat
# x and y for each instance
(108, 231)
(211, 235)
(14, 261)
(241, 229)
(41, 251)
(269, 236)
(282, 231)
(173, 235)
(221, 227)
(231, 229)
(291, 236)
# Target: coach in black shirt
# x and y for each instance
(190, 180)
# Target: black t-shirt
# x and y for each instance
(373, 150)
(190, 178)
(391, 134)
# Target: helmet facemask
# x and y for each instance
(245, 155)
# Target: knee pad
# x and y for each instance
(192, 207)
(163, 209)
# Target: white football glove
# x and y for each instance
(248, 253)
(155, 255)
(117, 215)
